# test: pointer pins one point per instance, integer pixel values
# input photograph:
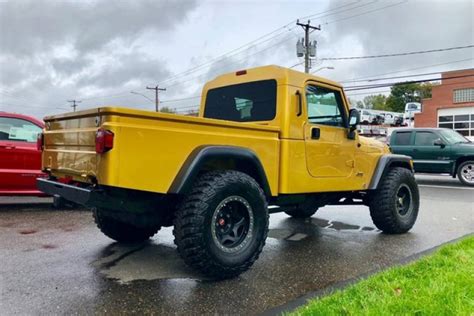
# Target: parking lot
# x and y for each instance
(58, 261)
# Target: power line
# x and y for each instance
(363, 87)
(282, 30)
(230, 62)
(388, 91)
(399, 54)
(9, 95)
(367, 93)
(366, 12)
(31, 106)
(249, 44)
(157, 100)
(227, 54)
(361, 79)
(318, 15)
(74, 104)
(308, 47)
(115, 95)
(399, 77)
(182, 99)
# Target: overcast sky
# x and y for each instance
(99, 51)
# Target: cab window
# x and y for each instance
(402, 138)
(14, 129)
(245, 102)
(325, 106)
(425, 138)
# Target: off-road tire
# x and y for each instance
(120, 231)
(195, 237)
(384, 209)
(460, 170)
(301, 213)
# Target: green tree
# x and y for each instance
(359, 104)
(166, 109)
(403, 93)
(376, 102)
(352, 102)
(425, 89)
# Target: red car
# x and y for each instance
(20, 160)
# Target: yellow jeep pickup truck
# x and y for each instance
(264, 136)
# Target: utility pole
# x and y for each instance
(307, 27)
(74, 105)
(157, 100)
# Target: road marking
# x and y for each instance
(443, 187)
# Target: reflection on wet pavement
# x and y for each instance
(149, 261)
(153, 261)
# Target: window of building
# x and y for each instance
(463, 95)
(462, 123)
(448, 118)
(402, 138)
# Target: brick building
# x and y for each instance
(451, 104)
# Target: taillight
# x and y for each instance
(40, 141)
(104, 141)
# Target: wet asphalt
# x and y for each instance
(58, 262)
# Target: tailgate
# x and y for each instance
(69, 145)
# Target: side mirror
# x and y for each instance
(439, 142)
(354, 120)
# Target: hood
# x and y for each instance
(369, 145)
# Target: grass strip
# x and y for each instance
(439, 284)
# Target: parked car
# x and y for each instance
(411, 109)
(399, 121)
(436, 150)
(366, 117)
(393, 119)
(378, 119)
(20, 159)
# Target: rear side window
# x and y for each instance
(401, 138)
(13, 129)
(425, 138)
(245, 102)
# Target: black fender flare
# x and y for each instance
(385, 163)
(245, 160)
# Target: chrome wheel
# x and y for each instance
(232, 224)
(404, 200)
(467, 173)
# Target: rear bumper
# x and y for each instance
(69, 192)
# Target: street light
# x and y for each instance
(328, 67)
(138, 93)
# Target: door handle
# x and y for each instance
(300, 106)
(315, 133)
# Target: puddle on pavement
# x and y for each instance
(143, 262)
(153, 261)
(324, 223)
(294, 235)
